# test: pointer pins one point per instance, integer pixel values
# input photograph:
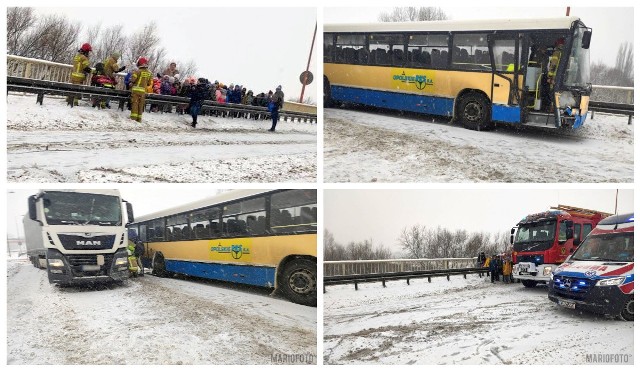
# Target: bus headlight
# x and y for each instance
(610, 281)
(546, 271)
(55, 263)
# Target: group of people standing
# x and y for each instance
(499, 265)
(142, 82)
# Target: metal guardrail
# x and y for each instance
(612, 108)
(44, 87)
(351, 267)
(396, 276)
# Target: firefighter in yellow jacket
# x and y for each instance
(140, 80)
(554, 61)
(80, 70)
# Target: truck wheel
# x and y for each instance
(158, 265)
(627, 310)
(474, 111)
(529, 283)
(298, 282)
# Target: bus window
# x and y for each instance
(426, 50)
(385, 50)
(350, 49)
(328, 47)
(143, 233)
(157, 226)
(470, 52)
(503, 55)
(294, 211)
(175, 225)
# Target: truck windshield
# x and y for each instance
(536, 232)
(617, 247)
(81, 209)
(578, 72)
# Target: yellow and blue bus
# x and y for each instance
(529, 72)
(263, 238)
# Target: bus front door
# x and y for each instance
(505, 66)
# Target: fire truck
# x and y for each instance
(542, 241)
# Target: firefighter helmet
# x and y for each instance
(142, 62)
(86, 47)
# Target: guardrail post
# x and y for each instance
(429, 278)
(592, 114)
(356, 286)
(324, 289)
(464, 275)
(384, 284)
(630, 119)
(40, 98)
(448, 278)
(407, 281)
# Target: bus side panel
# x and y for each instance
(250, 275)
(400, 101)
(505, 113)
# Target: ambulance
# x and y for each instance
(598, 276)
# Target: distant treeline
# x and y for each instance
(418, 242)
(619, 75)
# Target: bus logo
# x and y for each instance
(235, 250)
(421, 81)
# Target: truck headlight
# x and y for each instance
(121, 261)
(610, 281)
(55, 263)
(546, 271)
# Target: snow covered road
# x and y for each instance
(387, 147)
(462, 322)
(53, 143)
(150, 320)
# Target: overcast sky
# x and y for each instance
(259, 48)
(611, 26)
(357, 215)
(144, 201)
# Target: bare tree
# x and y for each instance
(53, 38)
(19, 21)
(413, 241)
(413, 14)
(624, 63)
(144, 44)
(110, 40)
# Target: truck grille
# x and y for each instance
(76, 262)
(535, 259)
(572, 287)
(80, 242)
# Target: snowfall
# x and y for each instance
(365, 145)
(463, 321)
(54, 143)
(151, 320)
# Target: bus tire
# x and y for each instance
(473, 111)
(159, 268)
(326, 97)
(529, 283)
(298, 282)
(627, 310)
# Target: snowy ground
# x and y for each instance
(462, 322)
(388, 147)
(54, 143)
(151, 320)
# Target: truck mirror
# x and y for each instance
(586, 39)
(130, 212)
(512, 239)
(33, 215)
(513, 230)
(569, 232)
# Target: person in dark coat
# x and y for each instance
(275, 104)
(481, 259)
(199, 93)
(495, 266)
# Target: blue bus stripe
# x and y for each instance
(250, 275)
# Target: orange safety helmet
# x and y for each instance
(142, 62)
(560, 41)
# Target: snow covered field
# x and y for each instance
(54, 143)
(151, 320)
(387, 147)
(462, 322)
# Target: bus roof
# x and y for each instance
(217, 199)
(561, 23)
(107, 192)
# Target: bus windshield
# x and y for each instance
(578, 72)
(81, 208)
(536, 232)
(616, 247)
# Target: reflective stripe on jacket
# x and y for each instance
(80, 62)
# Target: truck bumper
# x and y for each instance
(83, 268)
(532, 272)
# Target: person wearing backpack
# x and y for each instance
(275, 103)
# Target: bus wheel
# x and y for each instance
(627, 310)
(473, 111)
(298, 282)
(158, 265)
(529, 283)
(327, 93)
